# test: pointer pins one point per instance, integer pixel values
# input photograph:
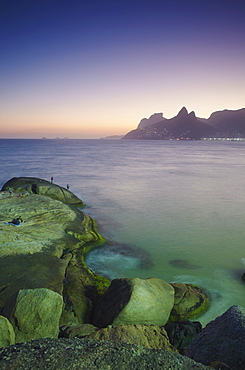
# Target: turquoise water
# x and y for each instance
(169, 209)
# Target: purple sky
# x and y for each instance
(88, 70)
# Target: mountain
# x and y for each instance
(155, 118)
(185, 126)
(228, 123)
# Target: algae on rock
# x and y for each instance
(190, 302)
(47, 250)
(33, 185)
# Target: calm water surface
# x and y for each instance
(170, 209)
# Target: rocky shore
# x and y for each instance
(55, 313)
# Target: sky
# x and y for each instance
(90, 69)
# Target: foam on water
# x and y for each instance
(111, 265)
(117, 260)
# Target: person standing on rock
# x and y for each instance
(10, 191)
(52, 179)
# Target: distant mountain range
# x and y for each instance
(186, 126)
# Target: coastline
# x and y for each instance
(42, 260)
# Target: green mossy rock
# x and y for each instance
(82, 290)
(7, 335)
(130, 301)
(47, 251)
(39, 270)
(33, 185)
(34, 314)
(190, 302)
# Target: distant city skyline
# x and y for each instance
(95, 69)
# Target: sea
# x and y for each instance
(174, 210)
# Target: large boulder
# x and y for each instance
(130, 301)
(32, 185)
(83, 354)
(190, 302)
(34, 314)
(149, 336)
(7, 335)
(222, 341)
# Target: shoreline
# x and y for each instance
(42, 261)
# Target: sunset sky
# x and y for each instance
(96, 68)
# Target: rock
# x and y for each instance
(7, 335)
(83, 354)
(39, 270)
(190, 302)
(79, 331)
(33, 185)
(47, 251)
(130, 301)
(182, 333)
(82, 290)
(222, 341)
(149, 336)
(49, 225)
(34, 314)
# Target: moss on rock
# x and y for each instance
(190, 302)
(33, 185)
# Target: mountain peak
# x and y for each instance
(154, 118)
(182, 112)
(192, 114)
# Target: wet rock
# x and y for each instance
(7, 335)
(190, 302)
(82, 290)
(149, 336)
(222, 341)
(33, 185)
(34, 314)
(130, 301)
(83, 354)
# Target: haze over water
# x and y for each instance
(170, 209)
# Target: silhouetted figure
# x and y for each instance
(10, 191)
(52, 179)
(67, 186)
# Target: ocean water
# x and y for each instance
(174, 210)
